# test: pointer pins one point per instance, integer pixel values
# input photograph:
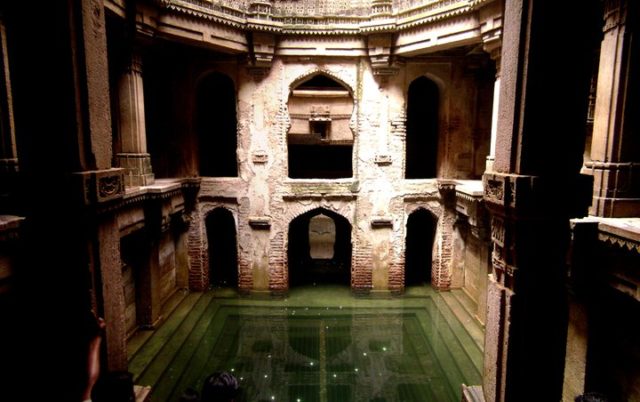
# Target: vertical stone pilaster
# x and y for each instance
(108, 239)
(441, 269)
(198, 261)
(8, 151)
(133, 154)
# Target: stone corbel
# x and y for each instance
(261, 50)
(380, 50)
(101, 186)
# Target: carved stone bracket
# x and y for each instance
(380, 50)
(261, 50)
(260, 157)
(383, 160)
(379, 222)
(101, 186)
(260, 222)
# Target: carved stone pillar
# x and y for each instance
(615, 149)
(531, 191)
(133, 154)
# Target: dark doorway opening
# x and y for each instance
(223, 254)
(216, 126)
(320, 161)
(319, 249)
(421, 230)
(422, 130)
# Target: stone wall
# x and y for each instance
(376, 200)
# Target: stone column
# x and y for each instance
(494, 118)
(615, 149)
(531, 191)
(133, 154)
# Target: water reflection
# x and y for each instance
(340, 355)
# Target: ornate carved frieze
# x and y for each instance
(328, 17)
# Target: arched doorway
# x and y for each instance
(216, 126)
(423, 103)
(319, 248)
(223, 254)
(421, 229)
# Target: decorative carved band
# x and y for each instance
(629, 244)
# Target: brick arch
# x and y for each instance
(347, 211)
(198, 242)
(319, 71)
(321, 208)
(441, 270)
(434, 210)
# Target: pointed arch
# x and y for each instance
(222, 247)
(334, 267)
(419, 240)
(423, 113)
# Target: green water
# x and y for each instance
(318, 345)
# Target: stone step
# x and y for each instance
(162, 363)
(468, 320)
(142, 336)
(467, 302)
(462, 326)
(153, 345)
(170, 380)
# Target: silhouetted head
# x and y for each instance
(219, 387)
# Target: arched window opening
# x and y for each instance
(423, 102)
(223, 254)
(319, 249)
(216, 126)
(320, 141)
(421, 229)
